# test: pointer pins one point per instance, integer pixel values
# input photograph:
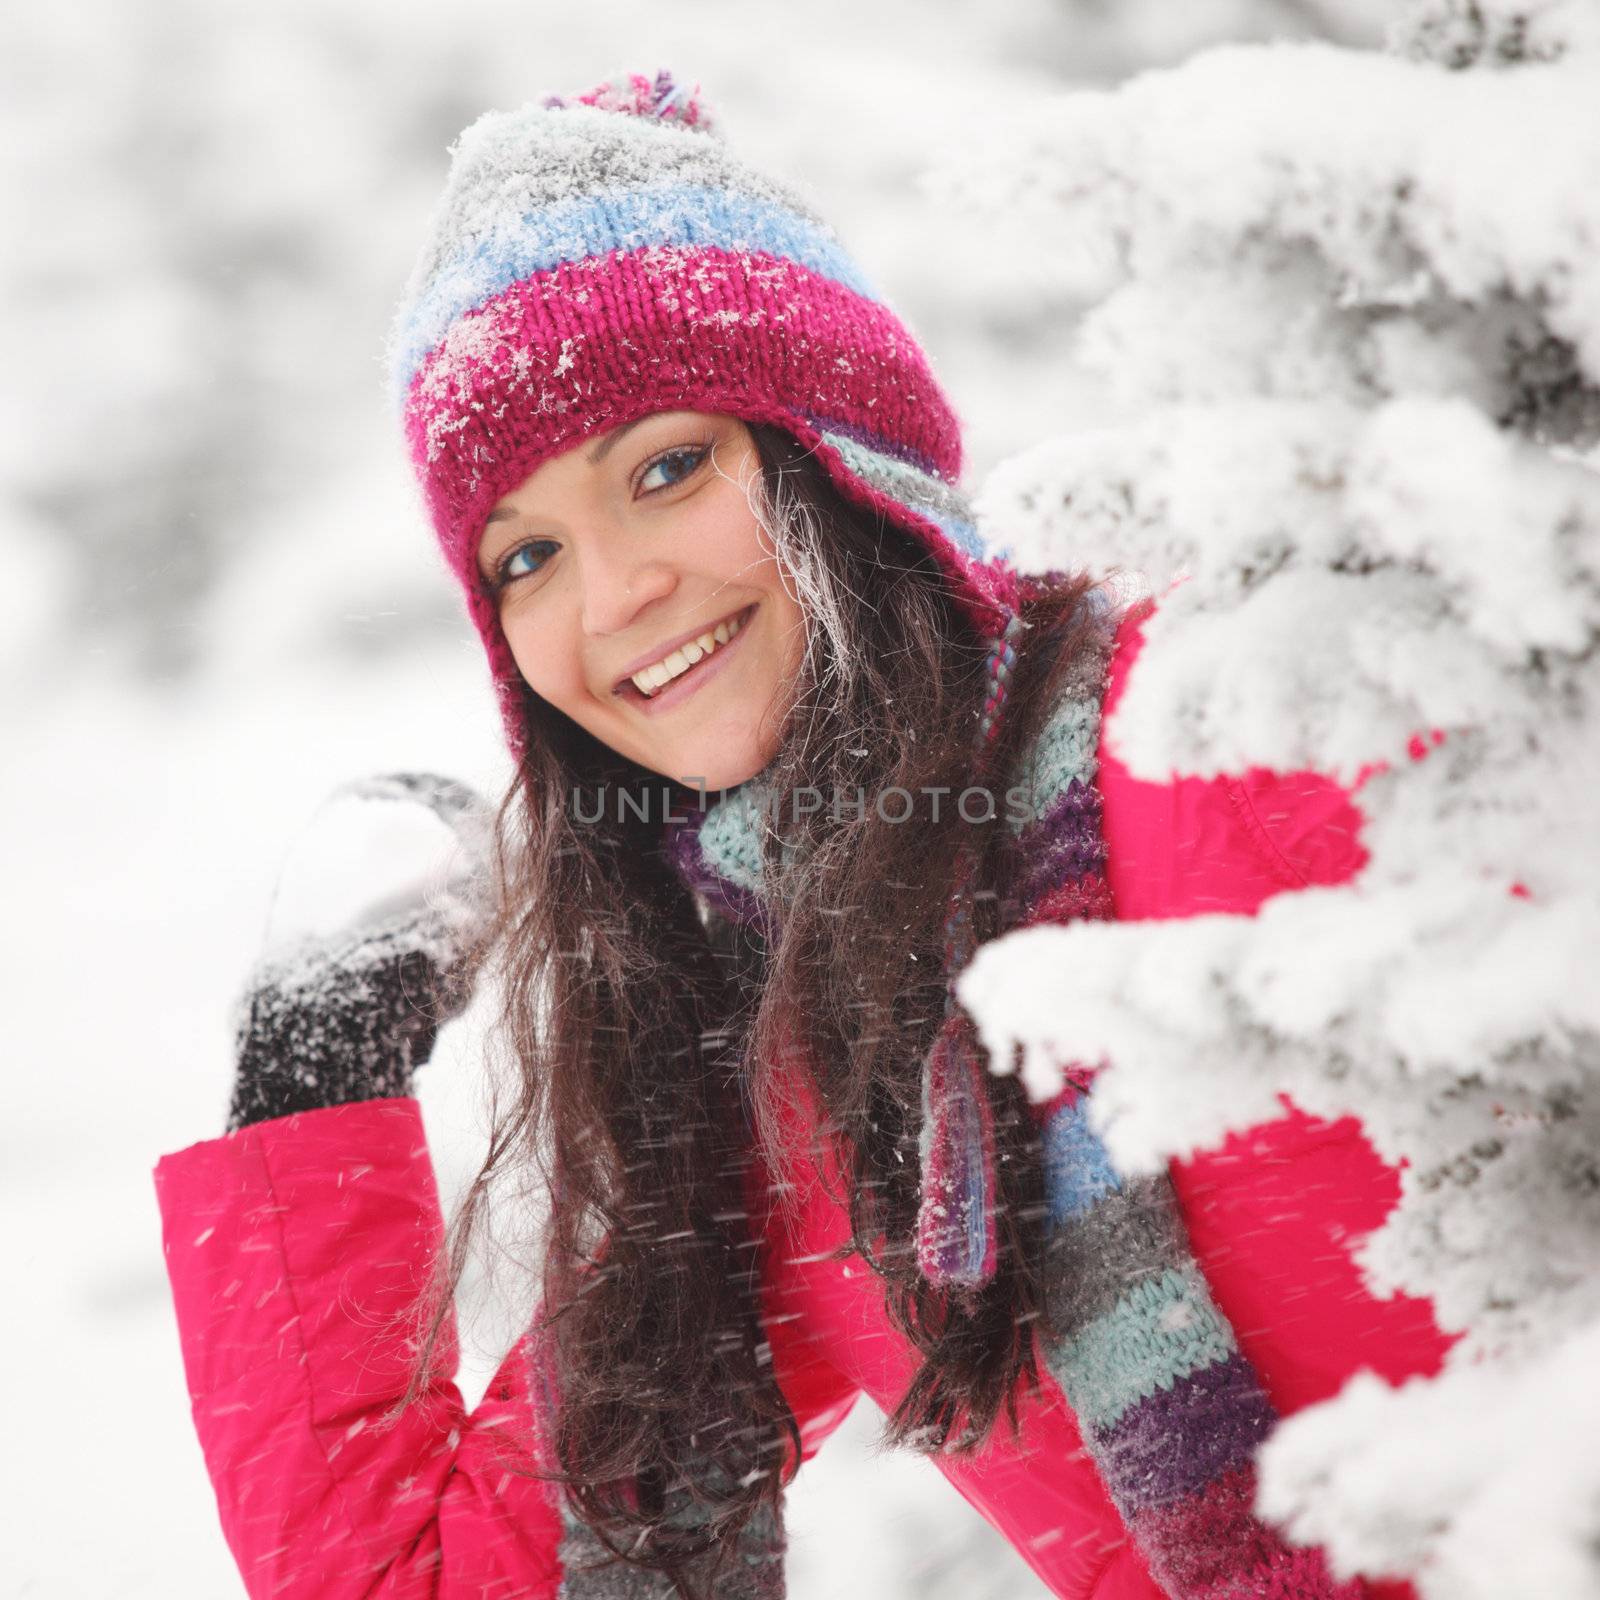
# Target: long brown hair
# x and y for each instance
(643, 1041)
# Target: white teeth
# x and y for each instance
(649, 679)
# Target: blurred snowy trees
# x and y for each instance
(1101, 39)
(1349, 308)
(195, 283)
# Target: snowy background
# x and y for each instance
(221, 600)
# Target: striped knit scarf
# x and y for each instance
(1169, 1406)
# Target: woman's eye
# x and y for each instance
(676, 465)
(522, 562)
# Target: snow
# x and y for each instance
(1521, 1497)
(1463, 184)
(1355, 361)
(368, 847)
(1329, 537)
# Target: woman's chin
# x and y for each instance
(715, 772)
(721, 753)
(711, 764)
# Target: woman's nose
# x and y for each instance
(619, 583)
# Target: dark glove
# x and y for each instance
(350, 1013)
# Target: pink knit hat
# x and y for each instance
(597, 258)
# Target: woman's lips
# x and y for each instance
(686, 683)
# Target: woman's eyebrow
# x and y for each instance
(603, 449)
(594, 458)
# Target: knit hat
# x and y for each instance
(600, 257)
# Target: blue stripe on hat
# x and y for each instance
(930, 497)
(595, 225)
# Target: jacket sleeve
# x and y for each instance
(297, 1250)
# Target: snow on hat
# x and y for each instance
(599, 257)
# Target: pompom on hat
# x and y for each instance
(598, 257)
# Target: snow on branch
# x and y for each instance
(1403, 566)
(1523, 1527)
(1305, 220)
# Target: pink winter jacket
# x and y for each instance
(293, 1247)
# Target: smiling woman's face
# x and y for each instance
(610, 560)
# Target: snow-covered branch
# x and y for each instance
(1349, 309)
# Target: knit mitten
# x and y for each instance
(386, 895)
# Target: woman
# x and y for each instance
(788, 748)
